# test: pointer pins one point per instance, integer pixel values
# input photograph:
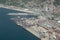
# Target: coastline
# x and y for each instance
(16, 8)
(23, 10)
(34, 31)
(29, 29)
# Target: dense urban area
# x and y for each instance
(44, 22)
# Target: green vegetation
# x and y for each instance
(43, 0)
(56, 14)
(23, 3)
(57, 2)
(14, 2)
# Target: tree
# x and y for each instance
(57, 2)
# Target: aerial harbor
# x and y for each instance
(39, 17)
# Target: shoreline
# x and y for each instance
(23, 10)
(16, 8)
(29, 29)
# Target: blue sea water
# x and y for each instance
(10, 30)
